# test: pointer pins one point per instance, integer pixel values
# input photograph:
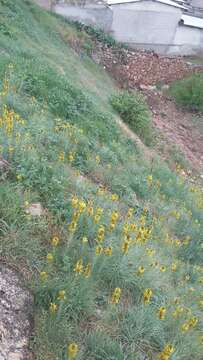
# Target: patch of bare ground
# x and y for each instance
(16, 305)
(176, 128)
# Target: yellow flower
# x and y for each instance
(72, 350)
(163, 268)
(150, 180)
(90, 211)
(185, 327)
(114, 216)
(193, 322)
(50, 257)
(108, 251)
(72, 227)
(19, 177)
(173, 267)
(62, 295)
(61, 156)
(55, 241)
(98, 250)
(162, 313)
(43, 275)
(82, 206)
(125, 246)
(114, 197)
(74, 202)
(141, 270)
(101, 233)
(130, 212)
(87, 271)
(166, 353)
(150, 252)
(147, 296)
(115, 298)
(99, 211)
(53, 307)
(71, 156)
(79, 267)
(98, 159)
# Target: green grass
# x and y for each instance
(60, 136)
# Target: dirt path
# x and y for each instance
(177, 128)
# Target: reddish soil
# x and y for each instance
(177, 128)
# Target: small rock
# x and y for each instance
(35, 210)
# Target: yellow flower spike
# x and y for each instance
(150, 180)
(114, 217)
(201, 339)
(74, 202)
(71, 156)
(72, 227)
(98, 159)
(174, 267)
(99, 211)
(162, 313)
(98, 250)
(61, 156)
(115, 298)
(141, 270)
(125, 246)
(79, 267)
(130, 213)
(185, 327)
(62, 295)
(87, 271)
(193, 322)
(114, 197)
(147, 295)
(43, 275)
(150, 252)
(82, 206)
(50, 257)
(108, 251)
(90, 210)
(53, 307)
(55, 241)
(72, 351)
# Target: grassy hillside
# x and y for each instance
(115, 261)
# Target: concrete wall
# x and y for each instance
(147, 24)
(198, 3)
(187, 41)
(97, 15)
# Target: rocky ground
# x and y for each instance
(16, 306)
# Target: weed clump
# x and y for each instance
(133, 109)
(189, 92)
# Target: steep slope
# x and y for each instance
(114, 257)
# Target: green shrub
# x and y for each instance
(134, 111)
(189, 92)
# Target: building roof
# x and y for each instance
(192, 21)
(177, 3)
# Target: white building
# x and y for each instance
(166, 26)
